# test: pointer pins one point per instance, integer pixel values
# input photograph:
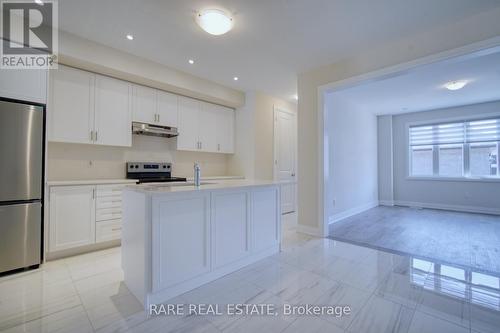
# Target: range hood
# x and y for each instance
(154, 130)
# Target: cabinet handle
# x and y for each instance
(96, 136)
(93, 193)
(116, 229)
(158, 118)
(218, 147)
(201, 145)
(91, 135)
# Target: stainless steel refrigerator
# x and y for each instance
(21, 183)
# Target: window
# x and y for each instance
(451, 160)
(421, 158)
(458, 149)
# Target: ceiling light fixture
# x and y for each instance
(39, 2)
(130, 37)
(235, 78)
(214, 21)
(191, 61)
(455, 85)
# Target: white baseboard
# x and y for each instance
(386, 202)
(350, 212)
(458, 208)
(313, 231)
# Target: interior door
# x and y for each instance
(188, 124)
(112, 112)
(71, 105)
(285, 157)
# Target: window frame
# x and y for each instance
(466, 176)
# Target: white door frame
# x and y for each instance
(471, 50)
(277, 109)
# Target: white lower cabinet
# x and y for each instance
(72, 217)
(108, 230)
(181, 239)
(197, 235)
(264, 211)
(230, 226)
(84, 215)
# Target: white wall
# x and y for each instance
(454, 35)
(255, 136)
(85, 54)
(385, 160)
(352, 167)
(461, 195)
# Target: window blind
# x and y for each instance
(485, 130)
(437, 134)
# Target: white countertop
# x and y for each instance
(180, 187)
(124, 181)
(90, 182)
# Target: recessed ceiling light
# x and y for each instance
(235, 78)
(39, 2)
(214, 21)
(130, 37)
(455, 85)
(191, 61)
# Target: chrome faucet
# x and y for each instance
(197, 174)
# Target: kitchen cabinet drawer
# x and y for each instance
(104, 214)
(109, 190)
(108, 230)
(109, 202)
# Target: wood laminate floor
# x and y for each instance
(464, 239)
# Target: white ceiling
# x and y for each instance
(272, 40)
(423, 88)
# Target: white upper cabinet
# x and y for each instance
(144, 104)
(225, 130)
(71, 105)
(152, 106)
(167, 109)
(95, 109)
(25, 85)
(89, 108)
(207, 127)
(113, 116)
(188, 124)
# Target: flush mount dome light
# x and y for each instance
(214, 21)
(455, 85)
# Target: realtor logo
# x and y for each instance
(29, 34)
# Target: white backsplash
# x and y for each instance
(67, 161)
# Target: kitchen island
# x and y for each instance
(177, 237)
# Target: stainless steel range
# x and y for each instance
(151, 172)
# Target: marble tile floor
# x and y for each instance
(386, 292)
(463, 239)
